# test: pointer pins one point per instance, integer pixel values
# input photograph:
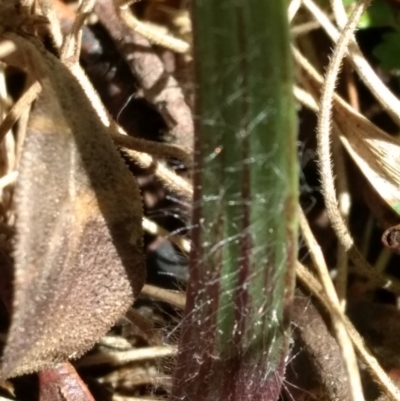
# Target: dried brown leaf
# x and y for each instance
(373, 150)
(79, 262)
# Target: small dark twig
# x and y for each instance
(159, 87)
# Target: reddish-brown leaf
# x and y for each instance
(62, 383)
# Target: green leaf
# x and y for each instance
(388, 51)
(379, 14)
(244, 236)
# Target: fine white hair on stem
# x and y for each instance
(345, 345)
(323, 136)
(380, 91)
(308, 99)
(344, 202)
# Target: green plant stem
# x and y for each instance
(234, 337)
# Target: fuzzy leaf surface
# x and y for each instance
(78, 252)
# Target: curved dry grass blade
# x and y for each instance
(354, 137)
(323, 133)
(375, 152)
(381, 92)
(79, 262)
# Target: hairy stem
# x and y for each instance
(234, 337)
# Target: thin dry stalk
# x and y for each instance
(152, 34)
(146, 326)
(380, 91)
(159, 87)
(18, 108)
(378, 374)
(304, 29)
(126, 398)
(352, 91)
(115, 342)
(344, 203)
(20, 133)
(154, 229)
(138, 376)
(174, 298)
(173, 182)
(293, 8)
(323, 134)
(123, 357)
(48, 11)
(373, 150)
(383, 259)
(345, 345)
(308, 100)
(8, 144)
(160, 150)
(71, 47)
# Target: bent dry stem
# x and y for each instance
(234, 337)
